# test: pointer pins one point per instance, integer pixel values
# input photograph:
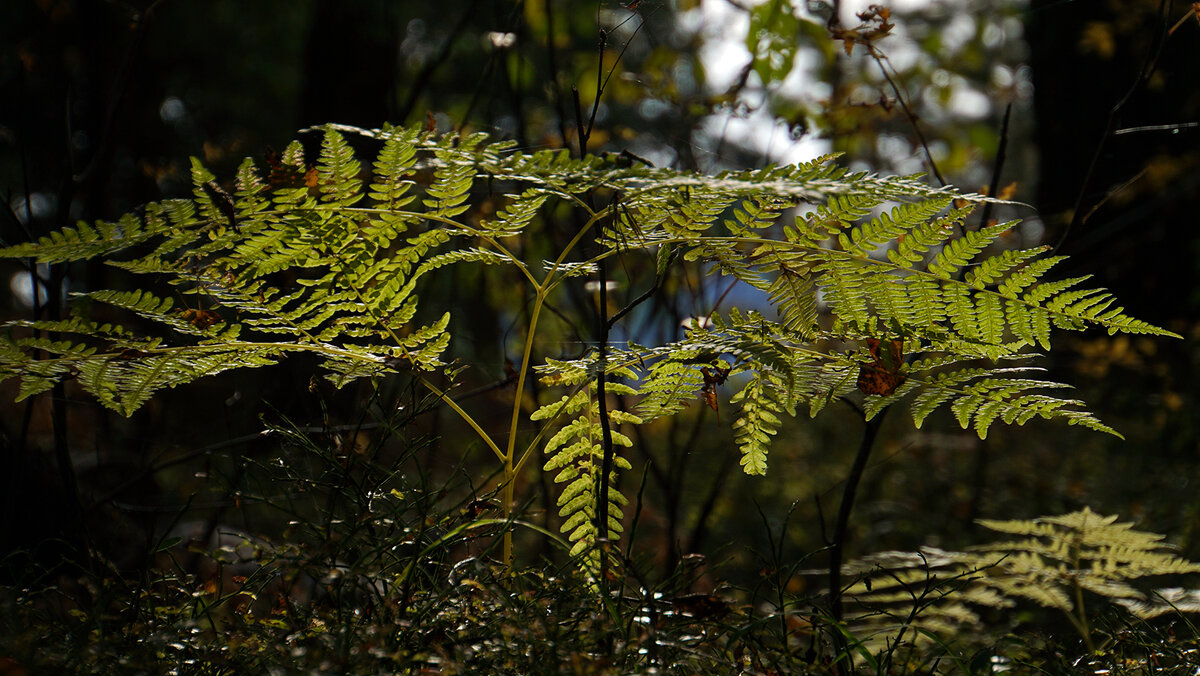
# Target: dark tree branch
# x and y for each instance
(552, 59)
(997, 167)
(841, 528)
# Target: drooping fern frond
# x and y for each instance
(353, 255)
(576, 452)
(762, 401)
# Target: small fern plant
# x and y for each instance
(1052, 561)
(870, 287)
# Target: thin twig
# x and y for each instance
(1157, 127)
(912, 118)
(1148, 67)
(606, 464)
(1113, 193)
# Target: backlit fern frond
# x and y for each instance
(792, 292)
(575, 454)
(124, 382)
(889, 226)
(85, 241)
(879, 289)
(352, 292)
(669, 386)
(1084, 550)
(762, 401)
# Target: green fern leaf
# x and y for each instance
(959, 252)
(763, 400)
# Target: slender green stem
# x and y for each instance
(466, 417)
(510, 448)
(509, 455)
(1080, 621)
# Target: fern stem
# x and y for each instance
(540, 291)
(547, 284)
(602, 530)
(1079, 618)
(466, 417)
(510, 447)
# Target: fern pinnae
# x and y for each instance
(845, 291)
(992, 269)
(575, 451)
(889, 225)
(891, 300)
(990, 318)
(447, 196)
(761, 401)
(391, 185)
(915, 245)
(959, 252)
(516, 216)
(756, 213)
(250, 192)
(667, 388)
(979, 404)
(874, 404)
(337, 172)
(81, 242)
(793, 295)
(928, 309)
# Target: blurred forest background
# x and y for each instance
(1085, 111)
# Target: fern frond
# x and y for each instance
(517, 215)
(889, 226)
(756, 213)
(447, 196)
(763, 399)
(978, 397)
(86, 241)
(337, 172)
(329, 259)
(990, 270)
(959, 252)
(1057, 560)
(125, 384)
(667, 388)
(576, 453)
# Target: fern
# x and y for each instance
(762, 401)
(576, 454)
(1053, 562)
(328, 258)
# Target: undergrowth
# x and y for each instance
(336, 553)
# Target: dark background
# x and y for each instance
(102, 103)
